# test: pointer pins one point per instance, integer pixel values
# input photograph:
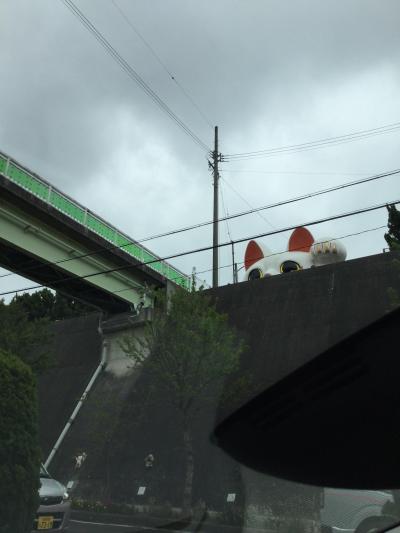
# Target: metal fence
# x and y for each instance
(87, 219)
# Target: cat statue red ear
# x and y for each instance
(303, 252)
(254, 253)
(255, 259)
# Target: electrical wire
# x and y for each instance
(242, 262)
(220, 245)
(300, 172)
(225, 211)
(128, 69)
(247, 203)
(229, 265)
(350, 136)
(286, 251)
(313, 145)
(227, 217)
(161, 62)
(277, 204)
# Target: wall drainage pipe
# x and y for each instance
(99, 369)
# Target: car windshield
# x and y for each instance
(199, 265)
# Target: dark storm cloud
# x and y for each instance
(268, 73)
(234, 56)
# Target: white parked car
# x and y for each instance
(349, 511)
(55, 505)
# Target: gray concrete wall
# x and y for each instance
(286, 320)
(75, 351)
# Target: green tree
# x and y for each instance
(190, 349)
(393, 240)
(392, 237)
(27, 339)
(50, 305)
(19, 448)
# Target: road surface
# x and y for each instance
(78, 526)
(81, 526)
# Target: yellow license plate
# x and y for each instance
(45, 522)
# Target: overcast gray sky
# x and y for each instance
(268, 73)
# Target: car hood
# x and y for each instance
(50, 487)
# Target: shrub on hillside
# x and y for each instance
(27, 339)
(19, 448)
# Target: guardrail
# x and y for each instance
(87, 219)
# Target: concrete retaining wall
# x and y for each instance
(286, 320)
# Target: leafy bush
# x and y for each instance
(85, 505)
(101, 507)
(46, 304)
(19, 448)
(162, 511)
(392, 237)
(27, 339)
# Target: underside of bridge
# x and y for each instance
(31, 267)
(47, 247)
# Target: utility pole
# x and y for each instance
(234, 265)
(216, 158)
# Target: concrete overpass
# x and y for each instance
(50, 238)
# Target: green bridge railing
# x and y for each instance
(66, 205)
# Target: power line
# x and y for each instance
(228, 230)
(286, 251)
(300, 172)
(242, 262)
(128, 69)
(247, 203)
(226, 214)
(227, 217)
(229, 265)
(313, 145)
(220, 245)
(276, 204)
(161, 62)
